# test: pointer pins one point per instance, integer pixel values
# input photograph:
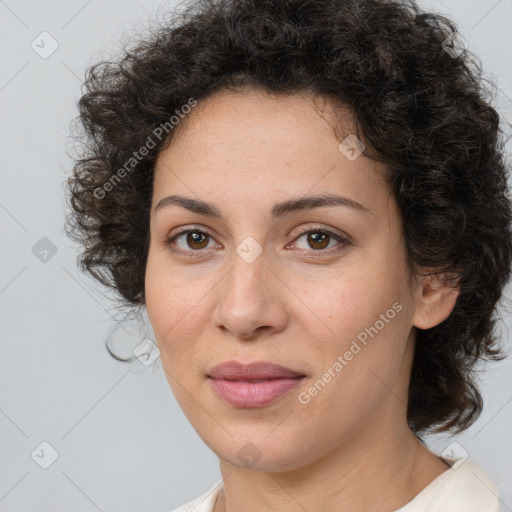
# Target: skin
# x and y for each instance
(299, 304)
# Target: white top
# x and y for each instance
(462, 488)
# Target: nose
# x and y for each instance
(250, 299)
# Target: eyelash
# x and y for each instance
(343, 242)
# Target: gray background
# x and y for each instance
(123, 443)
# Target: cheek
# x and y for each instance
(176, 307)
(169, 308)
(170, 295)
(348, 304)
(368, 319)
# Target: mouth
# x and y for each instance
(255, 385)
(258, 370)
(252, 381)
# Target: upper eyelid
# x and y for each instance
(320, 228)
(206, 231)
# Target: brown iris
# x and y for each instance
(313, 240)
(195, 238)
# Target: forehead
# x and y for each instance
(233, 146)
(248, 115)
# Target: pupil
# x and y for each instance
(323, 236)
(195, 238)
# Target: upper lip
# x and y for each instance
(233, 370)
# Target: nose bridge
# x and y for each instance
(246, 301)
(246, 275)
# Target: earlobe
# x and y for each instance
(435, 300)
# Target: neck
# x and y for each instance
(381, 479)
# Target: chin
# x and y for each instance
(262, 452)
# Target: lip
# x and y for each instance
(233, 370)
(231, 381)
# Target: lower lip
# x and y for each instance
(247, 394)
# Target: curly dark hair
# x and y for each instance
(422, 110)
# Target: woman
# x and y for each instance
(309, 199)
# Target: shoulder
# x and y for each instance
(204, 502)
(465, 487)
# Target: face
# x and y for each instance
(319, 290)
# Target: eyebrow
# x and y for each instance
(278, 210)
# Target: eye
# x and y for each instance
(319, 239)
(195, 239)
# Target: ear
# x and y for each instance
(435, 300)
